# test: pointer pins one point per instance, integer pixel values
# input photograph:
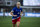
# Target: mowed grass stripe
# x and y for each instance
(25, 22)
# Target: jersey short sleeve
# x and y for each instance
(13, 10)
(21, 9)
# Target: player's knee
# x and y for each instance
(18, 23)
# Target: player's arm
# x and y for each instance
(21, 12)
(12, 13)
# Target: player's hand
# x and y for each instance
(14, 15)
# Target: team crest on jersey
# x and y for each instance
(18, 12)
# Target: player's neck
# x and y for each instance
(18, 7)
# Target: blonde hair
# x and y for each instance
(18, 3)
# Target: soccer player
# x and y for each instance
(16, 14)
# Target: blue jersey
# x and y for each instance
(17, 12)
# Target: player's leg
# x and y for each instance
(14, 22)
(18, 22)
(14, 25)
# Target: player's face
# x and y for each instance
(18, 5)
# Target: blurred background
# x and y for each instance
(31, 8)
(30, 17)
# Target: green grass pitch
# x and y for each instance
(25, 22)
